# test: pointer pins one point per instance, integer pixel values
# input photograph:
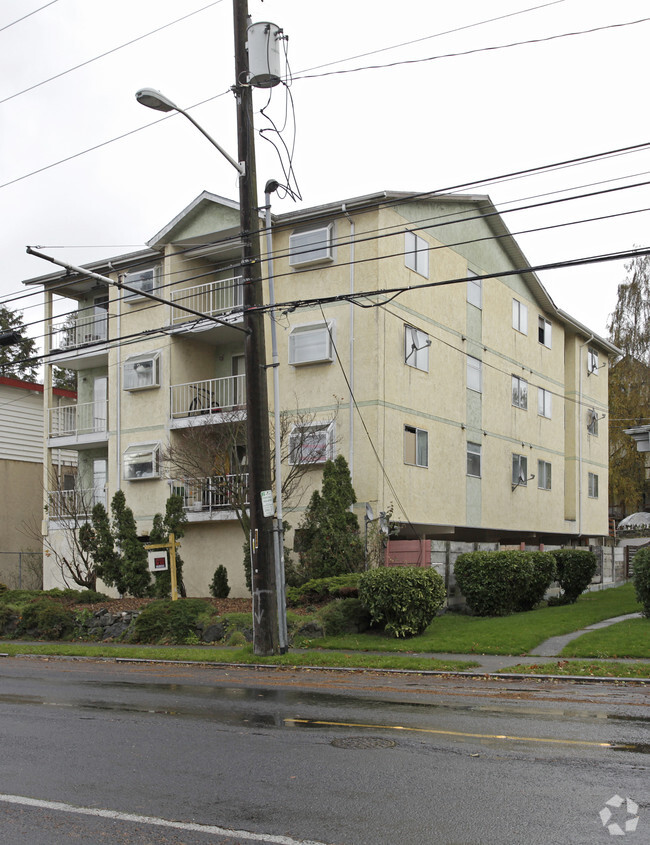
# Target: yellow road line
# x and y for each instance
(451, 733)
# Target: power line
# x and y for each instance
(28, 15)
(107, 53)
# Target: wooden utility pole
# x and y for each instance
(265, 627)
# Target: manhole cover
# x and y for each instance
(363, 742)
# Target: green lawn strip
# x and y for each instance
(630, 638)
(516, 634)
(585, 668)
(239, 655)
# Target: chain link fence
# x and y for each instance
(21, 570)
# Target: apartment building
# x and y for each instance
(413, 338)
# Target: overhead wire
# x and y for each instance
(28, 15)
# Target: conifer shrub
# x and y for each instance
(46, 619)
(575, 569)
(344, 616)
(500, 583)
(168, 621)
(219, 585)
(318, 590)
(404, 600)
(642, 579)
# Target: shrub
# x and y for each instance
(237, 638)
(3, 588)
(219, 585)
(575, 569)
(8, 615)
(494, 583)
(642, 579)
(46, 619)
(324, 589)
(344, 616)
(169, 621)
(404, 600)
(544, 572)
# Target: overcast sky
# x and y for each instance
(410, 127)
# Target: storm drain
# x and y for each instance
(363, 742)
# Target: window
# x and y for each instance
(416, 446)
(519, 316)
(474, 374)
(311, 444)
(311, 246)
(416, 254)
(544, 332)
(310, 344)
(142, 461)
(543, 475)
(144, 280)
(474, 459)
(142, 371)
(519, 470)
(520, 392)
(593, 486)
(592, 422)
(592, 361)
(474, 290)
(544, 402)
(416, 348)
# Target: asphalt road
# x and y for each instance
(141, 753)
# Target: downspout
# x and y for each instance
(351, 347)
(589, 339)
(118, 394)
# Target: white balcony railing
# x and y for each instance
(83, 330)
(68, 504)
(218, 493)
(212, 298)
(213, 396)
(74, 420)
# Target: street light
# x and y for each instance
(263, 581)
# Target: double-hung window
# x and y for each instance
(474, 459)
(416, 446)
(519, 316)
(544, 400)
(311, 344)
(474, 374)
(519, 471)
(592, 422)
(592, 361)
(142, 371)
(474, 289)
(544, 475)
(142, 461)
(143, 280)
(416, 254)
(416, 348)
(311, 444)
(593, 485)
(519, 392)
(311, 246)
(544, 331)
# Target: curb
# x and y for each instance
(499, 676)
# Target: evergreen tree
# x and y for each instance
(134, 567)
(173, 522)
(13, 363)
(629, 385)
(330, 541)
(97, 539)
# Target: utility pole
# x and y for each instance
(265, 624)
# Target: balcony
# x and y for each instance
(83, 337)
(211, 401)
(215, 497)
(213, 299)
(78, 426)
(71, 504)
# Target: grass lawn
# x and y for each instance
(585, 668)
(237, 655)
(516, 634)
(624, 639)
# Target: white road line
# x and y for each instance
(115, 815)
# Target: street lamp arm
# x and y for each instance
(155, 100)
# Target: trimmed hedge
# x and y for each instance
(642, 579)
(324, 589)
(500, 583)
(575, 569)
(404, 600)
